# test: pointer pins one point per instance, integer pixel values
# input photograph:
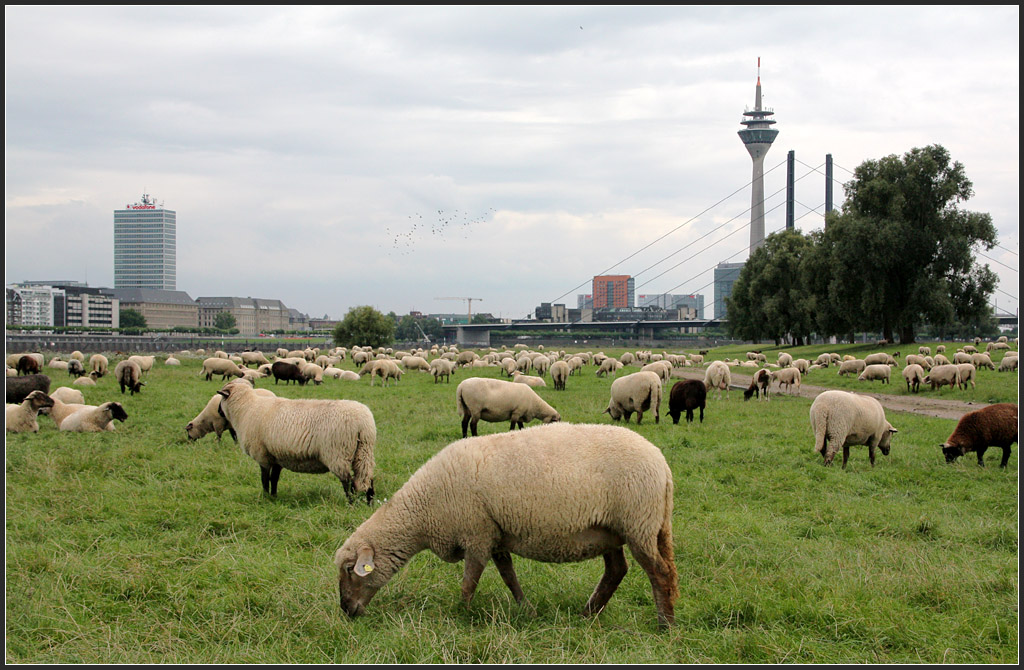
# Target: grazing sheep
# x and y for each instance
(91, 419)
(824, 360)
(853, 366)
(968, 373)
(939, 359)
(315, 436)
(992, 426)
(18, 388)
(385, 369)
(719, 378)
(27, 365)
(942, 375)
(788, 377)
(982, 361)
(637, 392)
(941, 348)
(914, 376)
(926, 363)
(219, 366)
(961, 357)
(529, 380)
(609, 365)
(23, 417)
(661, 368)
(784, 360)
(687, 395)
(254, 358)
(559, 373)
(879, 359)
(145, 362)
(466, 358)
(287, 371)
(877, 371)
(440, 367)
(803, 365)
(1008, 364)
(558, 493)
(87, 381)
(129, 376)
(842, 419)
(210, 420)
(495, 400)
(98, 364)
(313, 373)
(924, 351)
(759, 385)
(76, 368)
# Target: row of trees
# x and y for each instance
(898, 255)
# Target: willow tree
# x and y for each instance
(902, 250)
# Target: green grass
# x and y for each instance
(140, 547)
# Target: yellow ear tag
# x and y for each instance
(367, 568)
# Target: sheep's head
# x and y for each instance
(39, 400)
(360, 575)
(117, 411)
(952, 452)
(886, 439)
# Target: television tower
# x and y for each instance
(757, 137)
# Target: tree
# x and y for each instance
(770, 299)
(224, 321)
(901, 251)
(132, 318)
(364, 326)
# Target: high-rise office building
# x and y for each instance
(613, 291)
(726, 275)
(145, 243)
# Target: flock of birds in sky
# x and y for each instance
(444, 225)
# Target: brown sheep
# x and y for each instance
(992, 426)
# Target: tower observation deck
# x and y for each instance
(757, 137)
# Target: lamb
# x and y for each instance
(98, 364)
(688, 395)
(854, 366)
(840, 418)
(440, 367)
(94, 419)
(719, 378)
(558, 493)
(788, 377)
(75, 368)
(19, 388)
(914, 375)
(559, 373)
(495, 400)
(942, 375)
(992, 426)
(759, 385)
(529, 380)
(129, 376)
(219, 366)
(315, 436)
(23, 417)
(637, 392)
(968, 373)
(877, 371)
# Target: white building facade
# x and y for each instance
(145, 246)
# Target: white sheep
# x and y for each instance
(637, 392)
(86, 381)
(784, 360)
(788, 377)
(914, 376)
(495, 400)
(718, 378)
(68, 395)
(145, 362)
(876, 371)
(440, 367)
(853, 366)
(1008, 364)
(220, 366)
(968, 373)
(415, 363)
(558, 493)
(534, 382)
(917, 359)
(879, 359)
(559, 373)
(315, 436)
(171, 360)
(843, 419)
(210, 420)
(23, 418)
(91, 419)
(982, 361)
(943, 375)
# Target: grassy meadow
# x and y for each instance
(140, 547)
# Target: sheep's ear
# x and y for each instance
(364, 562)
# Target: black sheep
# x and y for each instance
(18, 388)
(288, 372)
(688, 395)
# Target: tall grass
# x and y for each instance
(140, 547)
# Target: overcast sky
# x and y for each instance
(333, 157)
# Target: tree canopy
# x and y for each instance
(364, 326)
(224, 321)
(900, 253)
(131, 318)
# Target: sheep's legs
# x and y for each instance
(615, 569)
(846, 454)
(471, 577)
(1006, 457)
(465, 425)
(662, 576)
(503, 561)
(269, 477)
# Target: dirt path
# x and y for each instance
(927, 405)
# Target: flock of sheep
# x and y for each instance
(557, 493)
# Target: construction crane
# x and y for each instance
(469, 306)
